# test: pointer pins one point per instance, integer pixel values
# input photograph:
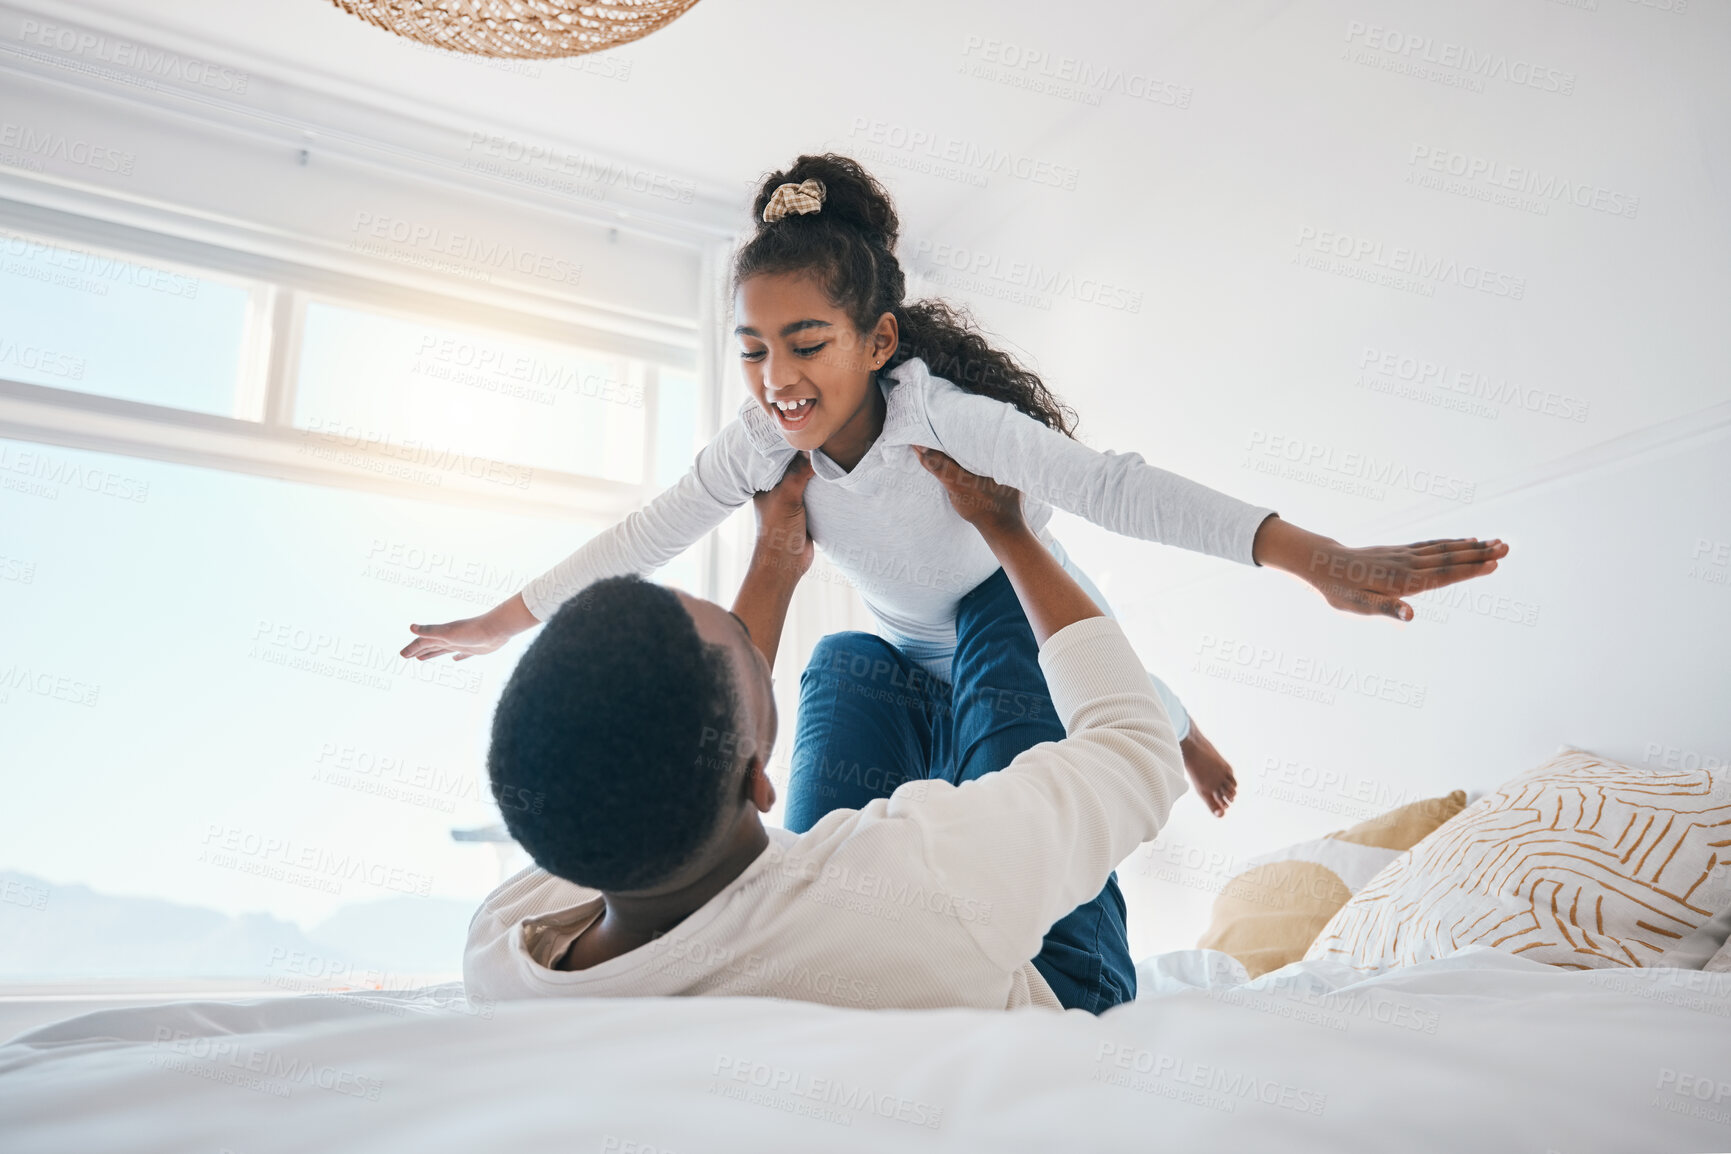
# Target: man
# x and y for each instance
(636, 732)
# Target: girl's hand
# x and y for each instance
(1373, 580)
(980, 501)
(472, 635)
(782, 538)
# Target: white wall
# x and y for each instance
(1600, 350)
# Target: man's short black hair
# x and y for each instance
(605, 758)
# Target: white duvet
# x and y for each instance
(1478, 1052)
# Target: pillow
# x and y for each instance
(1180, 970)
(1695, 951)
(1582, 863)
(1267, 915)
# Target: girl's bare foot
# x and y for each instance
(1209, 772)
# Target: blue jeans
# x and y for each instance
(870, 718)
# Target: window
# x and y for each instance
(508, 398)
(510, 407)
(226, 489)
(90, 321)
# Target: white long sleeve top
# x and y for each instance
(936, 896)
(888, 525)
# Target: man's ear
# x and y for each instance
(758, 787)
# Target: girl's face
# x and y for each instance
(806, 364)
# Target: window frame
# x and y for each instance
(264, 440)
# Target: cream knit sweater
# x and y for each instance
(936, 896)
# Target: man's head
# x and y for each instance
(641, 719)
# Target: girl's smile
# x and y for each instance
(793, 414)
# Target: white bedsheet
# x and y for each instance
(1477, 1052)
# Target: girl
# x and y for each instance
(842, 368)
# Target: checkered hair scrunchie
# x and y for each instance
(804, 197)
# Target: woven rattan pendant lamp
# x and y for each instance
(519, 29)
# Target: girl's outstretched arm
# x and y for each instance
(1123, 493)
(726, 474)
(472, 636)
(1117, 491)
(1374, 579)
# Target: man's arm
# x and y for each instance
(1036, 839)
(781, 556)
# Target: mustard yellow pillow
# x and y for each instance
(1401, 829)
(1268, 915)
(1582, 863)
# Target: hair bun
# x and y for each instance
(851, 197)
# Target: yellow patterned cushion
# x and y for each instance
(1581, 863)
(1267, 915)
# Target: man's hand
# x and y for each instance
(1050, 597)
(1372, 580)
(781, 557)
(782, 539)
(980, 501)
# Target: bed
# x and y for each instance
(1543, 969)
(1481, 1051)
